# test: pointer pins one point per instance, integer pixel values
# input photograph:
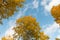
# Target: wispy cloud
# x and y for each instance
(35, 4)
(51, 30)
(49, 5)
(58, 36)
(10, 32)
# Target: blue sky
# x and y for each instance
(40, 9)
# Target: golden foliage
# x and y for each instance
(55, 11)
(28, 28)
(8, 7)
(3, 38)
(7, 38)
(43, 36)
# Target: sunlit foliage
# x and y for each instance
(28, 29)
(55, 11)
(8, 7)
(43, 36)
(7, 38)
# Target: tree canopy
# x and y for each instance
(8, 7)
(28, 28)
(55, 11)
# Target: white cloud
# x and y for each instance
(9, 31)
(50, 5)
(58, 36)
(51, 29)
(12, 23)
(44, 2)
(20, 13)
(35, 4)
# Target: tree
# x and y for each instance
(8, 7)
(55, 11)
(43, 36)
(7, 38)
(28, 29)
